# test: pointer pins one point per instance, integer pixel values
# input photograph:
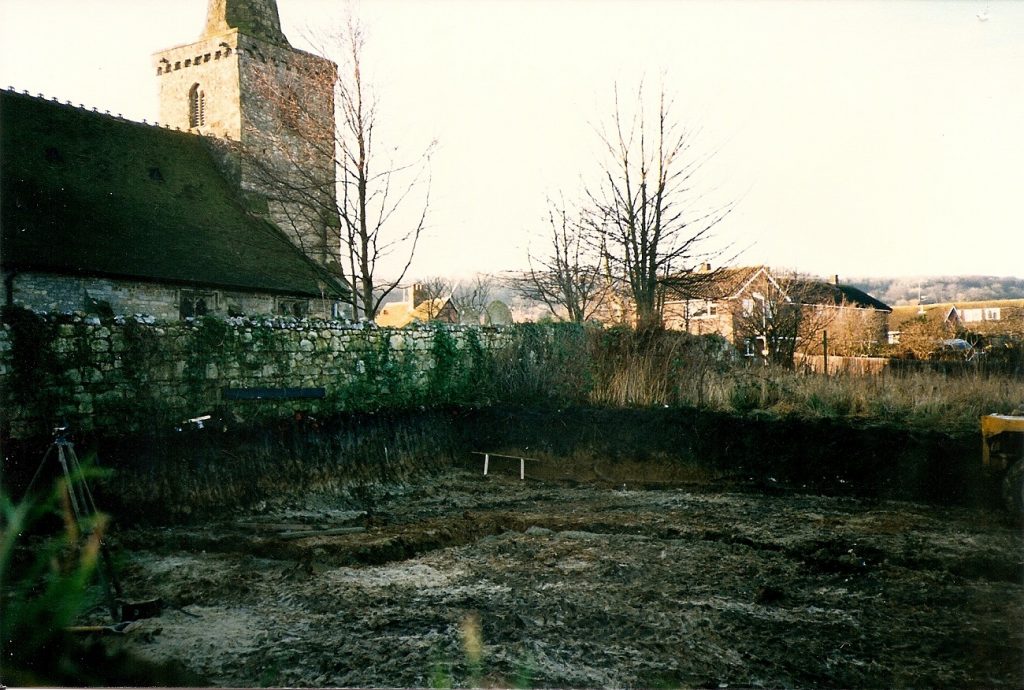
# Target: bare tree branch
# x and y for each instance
(354, 206)
(644, 214)
(567, 277)
(430, 293)
(472, 296)
(783, 317)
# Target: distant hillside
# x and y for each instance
(899, 291)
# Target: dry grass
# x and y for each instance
(625, 368)
(927, 400)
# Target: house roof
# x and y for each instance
(908, 312)
(821, 292)
(939, 311)
(395, 315)
(729, 283)
(87, 194)
(722, 283)
(399, 314)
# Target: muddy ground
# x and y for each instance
(585, 584)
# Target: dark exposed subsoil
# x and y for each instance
(581, 579)
(194, 474)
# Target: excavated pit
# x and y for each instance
(584, 584)
(646, 548)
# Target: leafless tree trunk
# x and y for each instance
(567, 278)
(368, 201)
(359, 201)
(645, 213)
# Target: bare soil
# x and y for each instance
(585, 585)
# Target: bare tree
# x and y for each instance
(472, 296)
(368, 202)
(645, 214)
(430, 293)
(781, 317)
(567, 278)
(360, 207)
(922, 337)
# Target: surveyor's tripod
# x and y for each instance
(83, 506)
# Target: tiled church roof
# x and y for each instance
(89, 194)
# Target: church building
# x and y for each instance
(226, 207)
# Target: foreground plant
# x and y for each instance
(46, 586)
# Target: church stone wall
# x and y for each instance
(256, 17)
(129, 375)
(65, 294)
(212, 63)
(55, 293)
(288, 141)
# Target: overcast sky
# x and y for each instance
(858, 138)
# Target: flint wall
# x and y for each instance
(137, 374)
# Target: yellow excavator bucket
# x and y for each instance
(992, 425)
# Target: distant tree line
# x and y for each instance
(933, 289)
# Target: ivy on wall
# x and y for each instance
(140, 358)
(443, 380)
(136, 374)
(37, 372)
(380, 377)
(210, 344)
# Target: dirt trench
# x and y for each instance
(585, 584)
(204, 474)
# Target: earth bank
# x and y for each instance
(196, 473)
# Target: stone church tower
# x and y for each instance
(243, 81)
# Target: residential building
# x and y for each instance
(757, 310)
(417, 308)
(1004, 317)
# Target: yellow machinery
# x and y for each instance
(992, 425)
(1002, 448)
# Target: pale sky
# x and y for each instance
(859, 138)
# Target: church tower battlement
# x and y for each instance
(243, 81)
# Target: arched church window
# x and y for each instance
(196, 106)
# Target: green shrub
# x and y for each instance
(45, 591)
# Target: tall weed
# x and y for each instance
(571, 364)
(46, 589)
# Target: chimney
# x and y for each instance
(835, 279)
(412, 295)
(705, 267)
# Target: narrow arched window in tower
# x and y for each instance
(196, 107)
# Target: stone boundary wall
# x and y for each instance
(129, 375)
